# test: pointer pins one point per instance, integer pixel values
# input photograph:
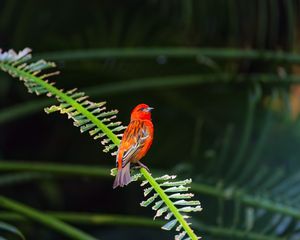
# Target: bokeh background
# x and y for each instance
(223, 79)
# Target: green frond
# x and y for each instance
(87, 115)
(85, 124)
(171, 81)
(264, 205)
(101, 124)
(175, 191)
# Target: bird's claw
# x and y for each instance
(141, 165)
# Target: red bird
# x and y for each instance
(135, 143)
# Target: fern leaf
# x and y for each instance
(164, 207)
(73, 103)
(101, 124)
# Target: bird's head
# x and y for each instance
(141, 112)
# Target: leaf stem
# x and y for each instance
(55, 168)
(91, 219)
(169, 203)
(98, 171)
(24, 109)
(23, 74)
(65, 97)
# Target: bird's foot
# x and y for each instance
(141, 165)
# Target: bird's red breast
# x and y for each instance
(137, 137)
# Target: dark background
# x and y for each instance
(199, 129)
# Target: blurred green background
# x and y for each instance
(222, 77)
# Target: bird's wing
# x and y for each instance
(134, 140)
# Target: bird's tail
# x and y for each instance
(123, 176)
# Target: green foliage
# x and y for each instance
(174, 206)
(87, 115)
(200, 64)
(92, 117)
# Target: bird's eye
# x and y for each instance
(142, 109)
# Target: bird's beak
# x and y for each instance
(149, 109)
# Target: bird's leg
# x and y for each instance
(141, 165)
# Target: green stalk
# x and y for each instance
(97, 171)
(47, 220)
(33, 106)
(186, 53)
(91, 219)
(65, 169)
(122, 220)
(64, 97)
(165, 82)
(56, 92)
(55, 168)
(169, 203)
